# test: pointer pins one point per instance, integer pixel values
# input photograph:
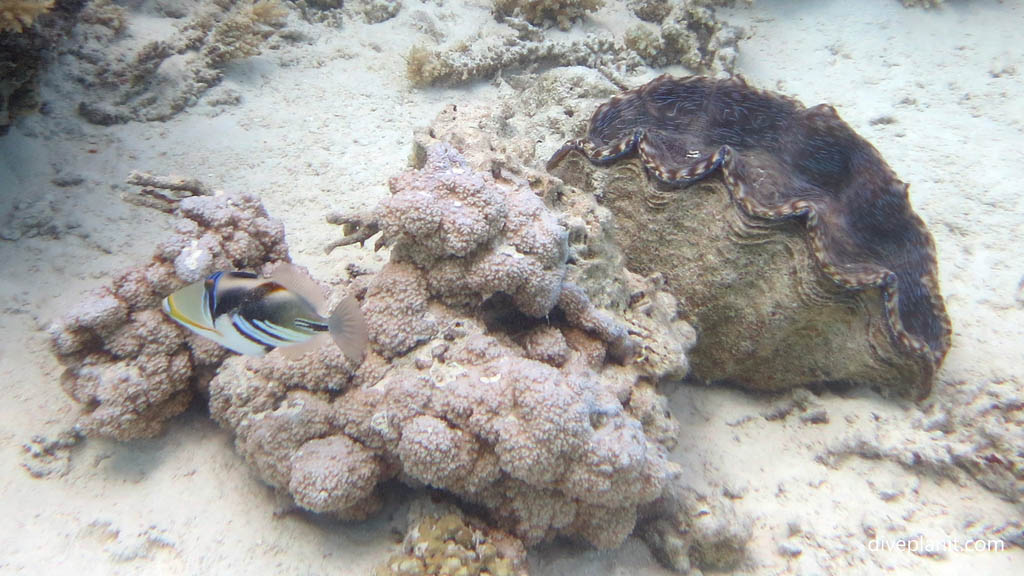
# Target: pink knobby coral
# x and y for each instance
(489, 374)
(486, 424)
(462, 238)
(475, 237)
(126, 363)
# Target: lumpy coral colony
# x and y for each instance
(491, 375)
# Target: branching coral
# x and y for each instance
(126, 363)
(16, 15)
(690, 34)
(429, 67)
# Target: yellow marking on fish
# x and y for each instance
(177, 315)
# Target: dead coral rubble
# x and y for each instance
(922, 3)
(126, 363)
(24, 37)
(693, 531)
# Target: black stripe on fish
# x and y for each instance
(278, 332)
(227, 298)
(210, 294)
(311, 325)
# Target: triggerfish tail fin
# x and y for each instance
(288, 275)
(348, 329)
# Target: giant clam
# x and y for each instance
(790, 243)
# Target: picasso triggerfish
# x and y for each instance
(253, 315)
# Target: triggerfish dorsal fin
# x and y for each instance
(288, 275)
(348, 329)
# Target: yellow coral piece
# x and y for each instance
(449, 546)
(562, 12)
(16, 15)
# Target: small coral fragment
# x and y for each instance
(444, 542)
(690, 34)
(17, 15)
(562, 12)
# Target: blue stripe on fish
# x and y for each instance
(210, 294)
(248, 332)
(280, 332)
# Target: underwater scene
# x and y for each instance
(511, 287)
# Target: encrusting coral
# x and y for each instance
(439, 218)
(130, 366)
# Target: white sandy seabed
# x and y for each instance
(322, 125)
